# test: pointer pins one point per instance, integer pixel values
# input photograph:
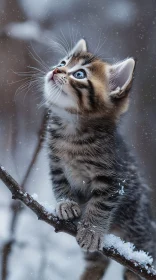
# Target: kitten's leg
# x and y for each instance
(96, 266)
(66, 208)
(129, 275)
(97, 217)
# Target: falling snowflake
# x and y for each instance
(121, 191)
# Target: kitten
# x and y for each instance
(95, 178)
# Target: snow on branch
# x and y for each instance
(137, 261)
(124, 253)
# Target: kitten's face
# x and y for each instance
(82, 83)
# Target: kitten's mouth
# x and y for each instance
(54, 80)
(51, 77)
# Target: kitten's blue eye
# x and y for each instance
(80, 74)
(63, 63)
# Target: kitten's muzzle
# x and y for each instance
(55, 72)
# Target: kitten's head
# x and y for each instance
(84, 84)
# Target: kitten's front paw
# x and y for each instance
(68, 210)
(89, 237)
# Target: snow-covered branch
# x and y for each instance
(124, 253)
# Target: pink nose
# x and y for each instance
(56, 71)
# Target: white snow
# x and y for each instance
(48, 207)
(127, 250)
(121, 191)
(35, 196)
(2, 167)
(25, 194)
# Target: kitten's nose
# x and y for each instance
(57, 71)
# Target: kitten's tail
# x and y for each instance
(96, 266)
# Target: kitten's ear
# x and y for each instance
(79, 47)
(120, 77)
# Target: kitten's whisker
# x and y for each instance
(57, 44)
(27, 75)
(21, 73)
(35, 68)
(58, 47)
(53, 94)
(61, 48)
(101, 45)
(14, 82)
(20, 89)
(68, 46)
(75, 35)
(71, 37)
(97, 48)
(28, 90)
(38, 60)
(41, 60)
(59, 89)
(33, 84)
(63, 44)
(57, 96)
(30, 84)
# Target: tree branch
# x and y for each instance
(147, 272)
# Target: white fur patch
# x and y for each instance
(54, 94)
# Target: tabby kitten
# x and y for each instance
(95, 179)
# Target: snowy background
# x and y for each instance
(29, 249)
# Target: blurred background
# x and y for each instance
(29, 249)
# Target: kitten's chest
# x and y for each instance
(77, 174)
(81, 155)
(72, 159)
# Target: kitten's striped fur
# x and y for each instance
(94, 176)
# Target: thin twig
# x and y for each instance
(16, 205)
(69, 227)
(41, 137)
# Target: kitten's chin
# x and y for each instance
(55, 95)
(49, 77)
(58, 97)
